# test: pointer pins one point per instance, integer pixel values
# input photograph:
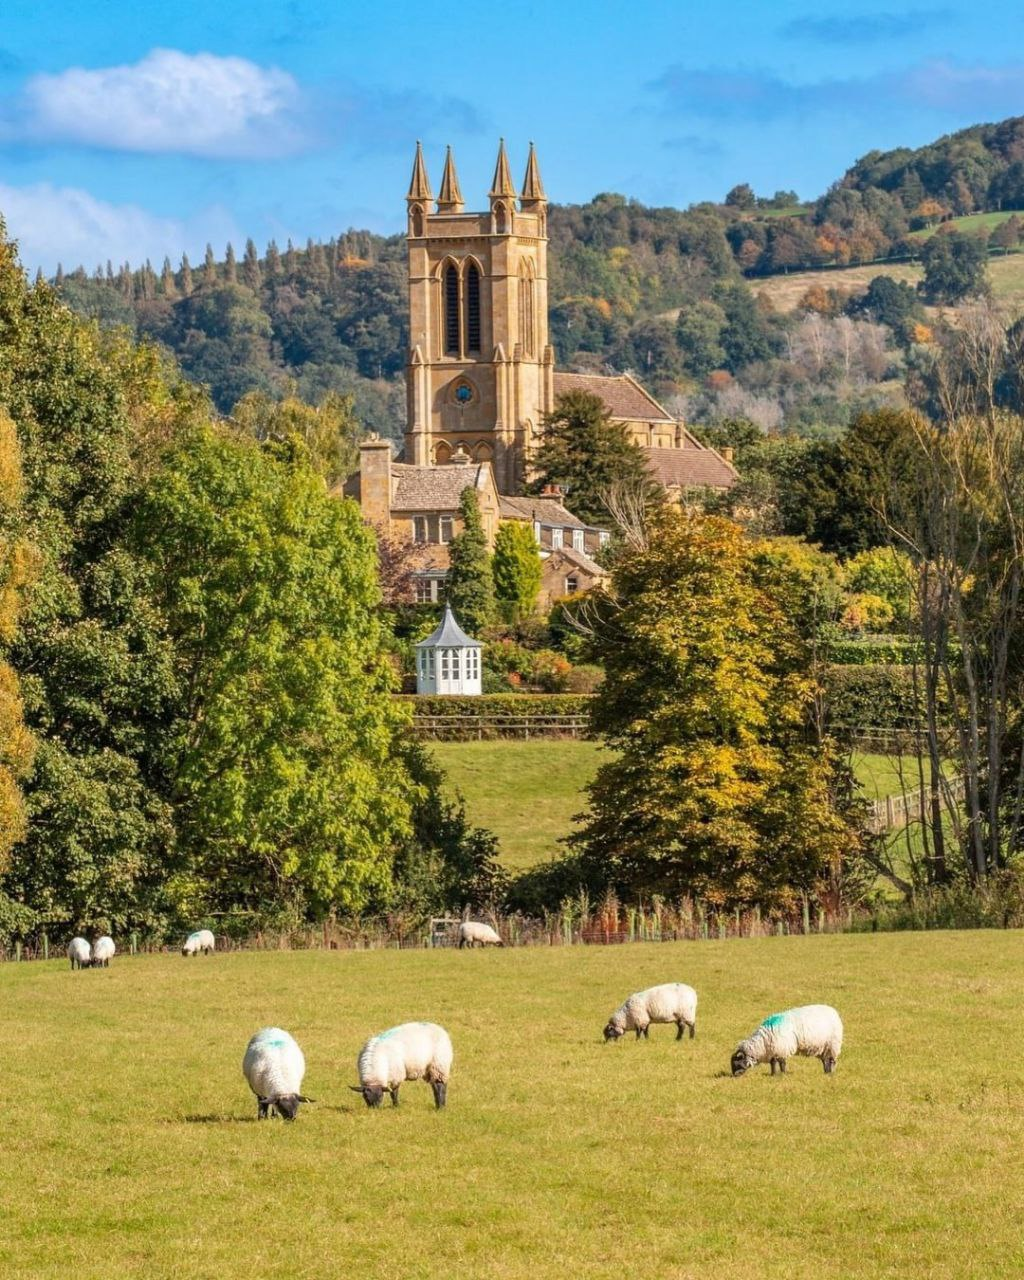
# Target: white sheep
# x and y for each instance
(412, 1051)
(103, 952)
(669, 1002)
(201, 941)
(472, 932)
(274, 1066)
(79, 953)
(812, 1031)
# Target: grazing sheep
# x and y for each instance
(103, 952)
(812, 1031)
(274, 1066)
(79, 953)
(669, 1002)
(412, 1051)
(200, 941)
(472, 932)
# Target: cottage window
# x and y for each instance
(425, 591)
(577, 539)
(602, 537)
(420, 529)
(556, 538)
(571, 585)
(446, 528)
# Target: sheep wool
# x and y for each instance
(810, 1031)
(103, 952)
(201, 941)
(472, 933)
(274, 1067)
(668, 1002)
(79, 953)
(412, 1051)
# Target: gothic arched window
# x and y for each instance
(451, 310)
(472, 296)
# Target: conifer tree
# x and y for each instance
(187, 285)
(290, 260)
(167, 284)
(272, 261)
(469, 588)
(251, 274)
(230, 266)
(516, 569)
(209, 266)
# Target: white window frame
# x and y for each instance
(577, 540)
(556, 539)
(572, 584)
(602, 537)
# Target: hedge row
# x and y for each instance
(872, 653)
(501, 704)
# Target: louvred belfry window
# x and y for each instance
(473, 309)
(451, 311)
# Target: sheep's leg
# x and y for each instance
(693, 1029)
(647, 1032)
(773, 1066)
(679, 1030)
(828, 1062)
(782, 1065)
(394, 1096)
(440, 1089)
(639, 1033)
(262, 1107)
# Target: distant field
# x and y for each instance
(528, 792)
(1005, 273)
(131, 1149)
(970, 222)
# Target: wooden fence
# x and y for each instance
(462, 728)
(896, 811)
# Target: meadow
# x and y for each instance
(501, 781)
(131, 1146)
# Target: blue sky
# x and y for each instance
(130, 128)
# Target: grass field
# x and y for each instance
(131, 1147)
(528, 792)
(968, 223)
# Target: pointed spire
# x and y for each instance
(419, 186)
(533, 188)
(502, 186)
(449, 199)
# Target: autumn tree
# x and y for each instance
(330, 431)
(714, 790)
(517, 569)
(469, 587)
(588, 455)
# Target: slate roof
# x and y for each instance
(623, 396)
(546, 510)
(561, 555)
(692, 467)
(449, 633)
(436, 488)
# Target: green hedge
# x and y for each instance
(869, 697)
(501, 704)
(873, 653)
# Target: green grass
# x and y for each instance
(131, 1147)
(968, 223)
(528, 792)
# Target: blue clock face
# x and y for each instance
(463, 394)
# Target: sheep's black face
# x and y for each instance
(741, 1062)
(612, 1032)
(288, 1105)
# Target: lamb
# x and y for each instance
(412, 1051)
(813, 1031)
(472, 932)
(274, 1066)
(79, 953)
(669, 1002)
(103, 952)
(202, 941)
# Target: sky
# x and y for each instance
(134, 128)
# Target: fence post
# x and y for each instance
(17, 950)
(807, 916)
(134, 942)
(46, 946)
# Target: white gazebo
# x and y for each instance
(448, 661)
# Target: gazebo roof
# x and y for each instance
(449, 635)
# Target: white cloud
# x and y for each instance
(68, 225)
(194, 104)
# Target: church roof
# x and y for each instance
(450, 196)
(419, 185)
(501, 183)
(533, 188)
(546, 510)
(694, 467)
(449, 635)
(436, 488)
(623, 396)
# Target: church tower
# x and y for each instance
(480, 372)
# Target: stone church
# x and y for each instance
(481, 372)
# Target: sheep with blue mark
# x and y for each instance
(810, 1031)
(411, 1051)
(274, 1066)
(200, 942)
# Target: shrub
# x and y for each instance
(584, 678)
(503, 704)
(869, 696)
(550, 671)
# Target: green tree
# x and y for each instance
(589, 457)
(469, 587)
(517, 569)
(954, 267)
(714, 790)
(252, 276)
(699, 335)
(282, 749)
(330, 432)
